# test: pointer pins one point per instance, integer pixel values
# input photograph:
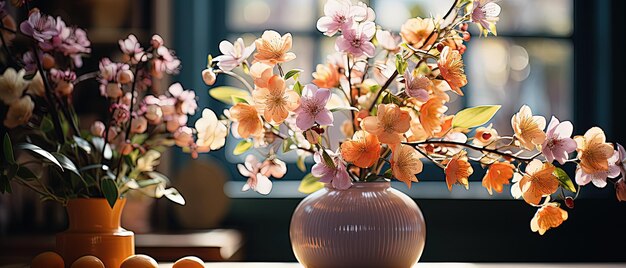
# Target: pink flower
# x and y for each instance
(30, 63)
(621, 161)
(387, 40)
(71, 41)
(598, 178)
(313, 107)
(130, 45)
(274, 168)
(356, 40)
(417, 86)
(183, 137)
(63, 81)
(121, 114)
(40, 27)
(97, 129)
(485, 14)
(339, 15)
(165, 61)
(186, 99)
(558, 143)
(234, 54)
(256, 180)
(336, 175)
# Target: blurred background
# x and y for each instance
(561, 57)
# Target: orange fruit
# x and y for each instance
(139, 261)
(189, 262)
(88, 262)
(47, 259)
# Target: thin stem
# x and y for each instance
(4, 43)
(53, 111)
(385, 86)
(236, 76)
(473, 147)
(20, 181)
(430, 158)
(280, 70)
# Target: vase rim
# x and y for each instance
(371, 184)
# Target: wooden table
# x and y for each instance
(420, 265)
(210, 245)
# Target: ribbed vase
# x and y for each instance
(368, 225)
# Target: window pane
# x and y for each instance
(249, 15)
(517, 71)
(528, 17)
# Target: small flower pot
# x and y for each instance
(94, 229)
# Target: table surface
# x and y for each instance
(420, 265)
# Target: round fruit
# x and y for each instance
(189, 262)
(47, 259)
(139, 261)
(88, 262)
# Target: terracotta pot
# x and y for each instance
(368, 225)
(94, 229)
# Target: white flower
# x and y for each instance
(148, 161)
(234, 54)
(19, 112)
(211, 132)
(12, 85)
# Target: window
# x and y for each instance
(529, 62)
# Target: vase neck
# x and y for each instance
(91, 214)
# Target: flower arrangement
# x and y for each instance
(394, 91)
(109, 158)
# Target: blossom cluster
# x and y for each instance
(124, 148)
(394, 90)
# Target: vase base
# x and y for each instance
(110, 248)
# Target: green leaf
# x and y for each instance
(5, 185)
(139, 138)
(310, 184)
(328, 160)
(300, 163)
(401, 64)
(287, 145)
(293, 73)
(83, 144)
(66, 163)
(98, 143)
(564, 179)
(109, 190)
(242, 147)
(25, 173)
(41, 152)
(8, 149)
(375, 88)
(337, 109)
(474, 116)
(225, 94)
(174, 196)
(236, 100)
(297, 87)
(46, 124)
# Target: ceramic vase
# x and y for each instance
(368, 225)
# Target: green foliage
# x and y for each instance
(38, 151)
(564, 180)
(401, 64)
(474, 116)
(297, 87)
(310, 184)
(295, 73)
(7, 148)
(109, 190)
(242, 147)
(226, 94)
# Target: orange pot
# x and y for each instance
(94, 229)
